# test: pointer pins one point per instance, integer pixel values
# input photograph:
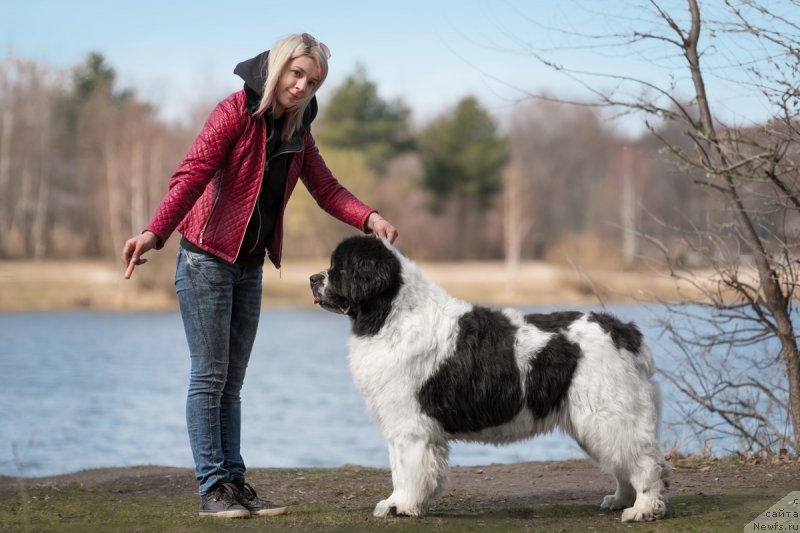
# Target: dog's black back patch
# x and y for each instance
(479, 386)
(624, 335)
(553, 322)
(550, 375)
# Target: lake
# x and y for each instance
(89, 389)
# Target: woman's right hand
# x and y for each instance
(134, 248)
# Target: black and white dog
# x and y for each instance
(433, 368)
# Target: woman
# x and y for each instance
(227, 199)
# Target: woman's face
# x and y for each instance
(298, 81)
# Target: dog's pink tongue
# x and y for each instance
(316, 299)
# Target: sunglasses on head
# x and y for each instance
(311, 42)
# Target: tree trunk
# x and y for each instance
(155, 182)
(7, 118)
(39, 224)
(114, 204)
(771, 291)
(793, 368)
(138, 193)
(628, 210)
(18, 227)
(513, 227)
(40, 211)
(462, 219)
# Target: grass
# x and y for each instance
(340, 500)
(91, 509)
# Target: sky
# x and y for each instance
(179, 54)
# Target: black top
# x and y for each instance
(270, 198)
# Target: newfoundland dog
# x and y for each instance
(433, 368)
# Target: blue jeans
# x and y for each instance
(220, 305)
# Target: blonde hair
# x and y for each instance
(280, 55)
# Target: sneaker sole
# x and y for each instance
(236, 513)
(269, 512)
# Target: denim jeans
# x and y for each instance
(220, 305)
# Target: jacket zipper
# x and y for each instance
(255, 204)
(283, 202)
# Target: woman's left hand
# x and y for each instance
(381, 227)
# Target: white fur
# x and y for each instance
(611, 409)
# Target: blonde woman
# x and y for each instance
(227, 199)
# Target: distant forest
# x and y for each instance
(84, 162)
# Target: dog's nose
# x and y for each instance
(316, 279)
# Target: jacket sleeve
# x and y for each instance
(331, 195)
(201, 163)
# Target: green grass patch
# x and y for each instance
(341, 500)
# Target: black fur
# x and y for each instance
(624, 335)
(550, 375)
(364, 277)
(553, 322)
(551, 369)
(479, 386)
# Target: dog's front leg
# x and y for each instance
(419, 472)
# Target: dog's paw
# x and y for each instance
(632, 514)
(391, 508)
(614, 503)
(644, 514)
(384, 509)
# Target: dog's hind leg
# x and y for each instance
(626, 447)
(419, 473)
(618, 427)
(650, 479)
(625, 495)
(640, 471)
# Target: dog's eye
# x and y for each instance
(337, 274)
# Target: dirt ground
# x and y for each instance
(470, 488)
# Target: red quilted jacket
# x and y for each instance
(213, 192)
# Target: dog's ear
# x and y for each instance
(373, 274)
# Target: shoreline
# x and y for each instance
(31, 286)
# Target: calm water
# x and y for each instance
(86, 390)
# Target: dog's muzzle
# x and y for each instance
(318, 286)
(332, 302)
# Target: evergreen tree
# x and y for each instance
(463, 155)
(356, 117)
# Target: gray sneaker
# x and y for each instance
(257, 506)
(221, 501)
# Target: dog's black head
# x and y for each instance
(363, 279)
